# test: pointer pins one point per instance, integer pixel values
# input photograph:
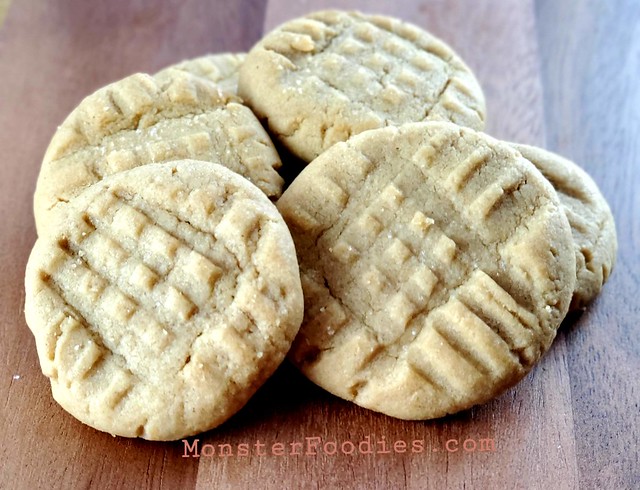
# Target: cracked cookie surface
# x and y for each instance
(319, 79)
(592, 224)
(163, 297)
(221, 69)
(436, 265)
(144, 119)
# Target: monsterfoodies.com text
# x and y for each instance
(318, 446)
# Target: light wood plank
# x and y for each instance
(592, 107)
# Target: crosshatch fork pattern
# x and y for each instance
(136, 288)
(408, 276)
(384, 65)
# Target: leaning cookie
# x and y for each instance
(142, 119)
(320, 79)
(162, 298)
(436, 266)
(592, 224)
(221, 69)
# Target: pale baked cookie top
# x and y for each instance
(143, 119)
(162, 298)
(436, 266)
(319, 79)
(592, 224)
(221, 69)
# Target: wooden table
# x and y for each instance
(560, 73)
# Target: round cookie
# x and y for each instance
(592, 224)
(319, 79)
(142, 119)
(436, 266)
(221, 69)
(162, 298)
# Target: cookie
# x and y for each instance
(162, 298)
(592, 224)
(143, 119)
(436, 267)
(319, 79)
(221, 69)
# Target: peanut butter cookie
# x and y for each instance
(221, 69)
(162, 298)
(436, 263)
(320, 79)
(143, 119)
(592, 224)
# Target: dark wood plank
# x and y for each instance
(592, 107)
(52, 54)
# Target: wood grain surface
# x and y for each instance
(560, 73)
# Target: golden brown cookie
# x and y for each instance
(162, 298)
(143, 119)
(436, 266)
(221, 69)
(592, 224)
(319, 79)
